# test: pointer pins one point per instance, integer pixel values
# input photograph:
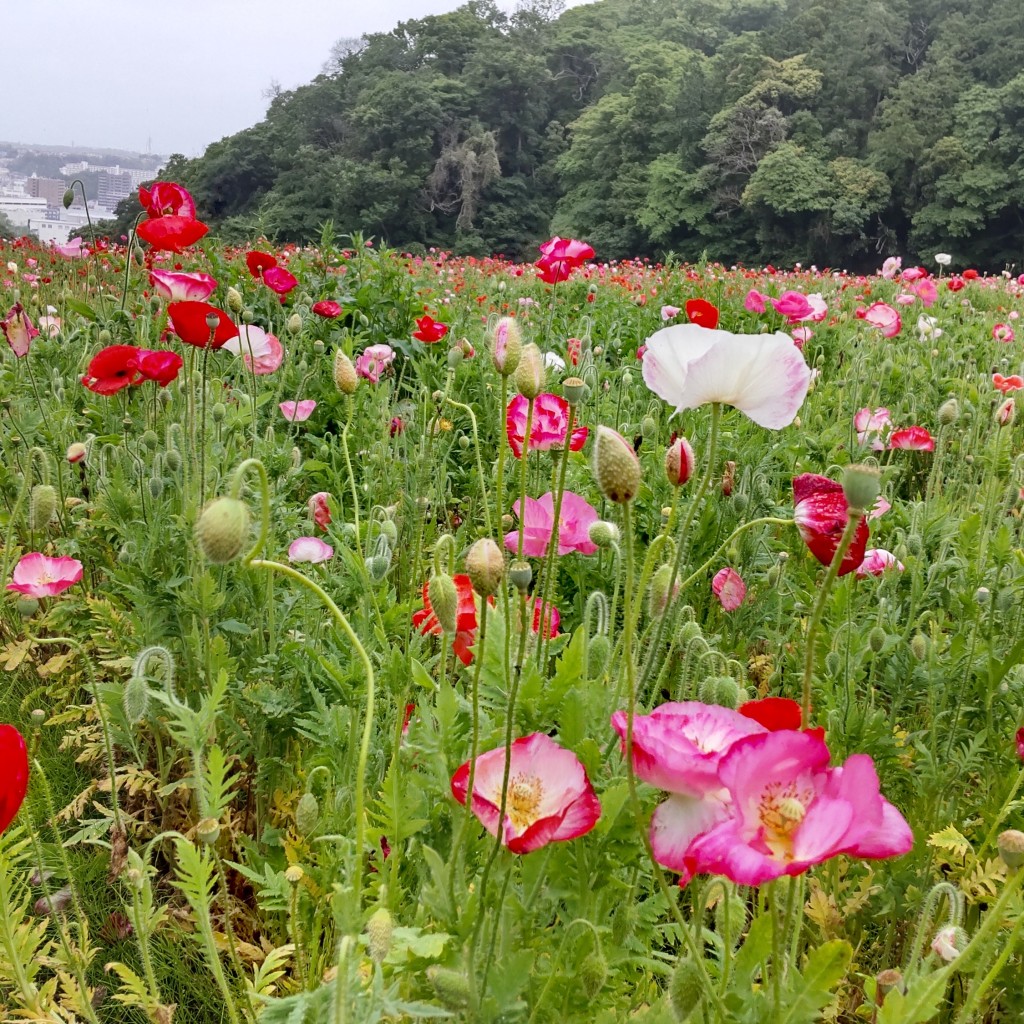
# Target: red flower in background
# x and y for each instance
(188, 321)
(429, 330)
(257, 262)
(167, 199)
(279, 280)
(465, 618)
(560, 256)
(172, 223)
(702, 313)
(820, 513)
(327, 308)
(14, 778)
(915, 439)
(160, 366)
(111, 369)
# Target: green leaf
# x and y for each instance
(756, 948)
(82, 309)
(811, 990)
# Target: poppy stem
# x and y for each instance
(523, 458)
(348, 465)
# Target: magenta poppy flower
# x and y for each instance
(915, 439)
(159, 366)
(261, 352)
(37, 575)
(1019, 741)
(373, 361)
(913, 274)
(794, 306)
(1003, 333)
(297, 412)
(549, 797)
(180, 287)
(882, 316)
(575, 517)
(729, 588)
(167, 199)
(870, 424)
(788, 810)
(550, 421)
(319, 509)
(18, 330)
(279, 280)
(309, 549)
(876, 561)
(756, 302)
(327, 308)
(763, 375)
(820, 514)
(14, 778)
(560, 256)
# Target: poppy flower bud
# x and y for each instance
(648, 426)
(294, 324)
(949, 412)
(728, 478)
(1011, 847)
(573, 390)
(42, 507)
(156, 487)
(1006, 413)
(485, 566)
(455, 357)
(452, 987)
(861, 485)
(69, 197)
(222, 530)
(208, 831)
(506, 346)
(378, 932)
(345, 378)
(603, 534)
(444, 599)
(886, 981)
(307, 814)
(105, 337)
(377, 566)
(919, 646)
(234, 300)
(876, 639)
(658, 598)
(520, 573)
(135, 698)
(679, 462)
(172, 459)
(685, 988)
(616, 467)
(529, 376)
(389, 532)
(593, 973)
(598, 651)
(76, 452)
(949, 943)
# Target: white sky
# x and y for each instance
(170, 76)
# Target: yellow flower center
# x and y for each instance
(523, 803)
(780, 810)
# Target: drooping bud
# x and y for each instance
(658, 598)
(593, 973)
(603, 534)
(1006, 413)
(222, 530)
(444, 599)
(599, 649)
(452, 988)
(42, 506)
(1011, 847)
(307, 814)
(485, 566)
(685, 991)
(76, 452)
(69, 197)
(616, 467)
(135, 698)
(378, 933)
(234, 299)
(919, 646)
(679, 462)
(876, 639)
(949, 412)
(728, 478)
(506, 346)
(345, 378)
(529, 376)
(861, 485)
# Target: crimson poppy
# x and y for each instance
(171, 234)
(160, 366)
(167, 199)
(279, 280)
(327, 308)
(111, 369)
(188, 321)
(257, 262)
(429, 330)
(821, 513)
(14, 780)
(702, 313)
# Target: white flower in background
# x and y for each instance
(927, 328)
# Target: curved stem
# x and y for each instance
(127, 255)
(479, 460)
(348, 465)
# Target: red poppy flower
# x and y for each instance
(560, 256)
(773, 713)
(970, 275)
(160, 366)
(429, 330)
(279, 280)
(820, 514)
(167, 199)
(111, 369)
(1005, 384)
(171, 234)
(257, 262)
(1020, 743)
(915, 439)
(465, 618)
(14, 778)
(954, 284)
(702, 313)
(188, 321)
(327, 308)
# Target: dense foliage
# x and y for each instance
(823, 131)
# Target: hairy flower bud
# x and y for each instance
(222, 530)
(603, 534)
(919, 646)
(485, 566)
(949, 412)
(135, 698)
(378, 934)
(529, 376)
(593, 973)
(599, 649)
(68, 198)
(506, 345)
(234, 300)
(1006, 413)
(876, 639)
(345, 378)
(658, 598)
(1011, 847)
(685, 989)
(452, 987)
(42, 507)
(861, 485)
(307, 814)
(444, 599)
(76, 452)
(679, 462)
(616, 467)
(294, 323)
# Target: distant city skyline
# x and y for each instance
(112, 75)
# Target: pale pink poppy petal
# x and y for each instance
(729, 588)
(309, 549)
(678, 821)
(297, 412)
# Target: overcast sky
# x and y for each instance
(169, 77)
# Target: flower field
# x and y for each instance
(399, 637)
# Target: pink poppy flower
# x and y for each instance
(279, 280)
(550, 420)
(729, 588)
(1007, 384)
(755, 302)
(913, 274)
(180, 287)
(820, 514)
(36, 575)
(880, 507)
(1019, 742)
(298, 412)
(161, 367)
(762, 375)
(309, 549)
(18, 330)
(373, 361)
(1003, 333)
(327, 308)
(915, 439)
(49, 325)
(903, 299)
(669, 312)
(870, 424)
(802, 335)
(319, 509)
(876, 561)
(923, 289)
(819, 308)
(549, 797)
(891, 267)
(72, 249)
(261, 352)
(575, 517)
(884, 317)
(789, 810)
(794, 306)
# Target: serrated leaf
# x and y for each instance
(952, 840)
(812, 988)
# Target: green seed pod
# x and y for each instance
(452, 987)
(593, 972)
(208, 831)
(685, 990)
(42, 506)
(156, 487)
(172, 459)
(1011, 848)
(222, 530)
(307, 814)
(27, 607)
(876, 639)
(378, 932)
(520, 573)
(615, 466)
(135, 698)
(444, 599)
(861, 485)
(919, 646)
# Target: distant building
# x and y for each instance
(20, 210)
(113, 186)
(50, 189)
